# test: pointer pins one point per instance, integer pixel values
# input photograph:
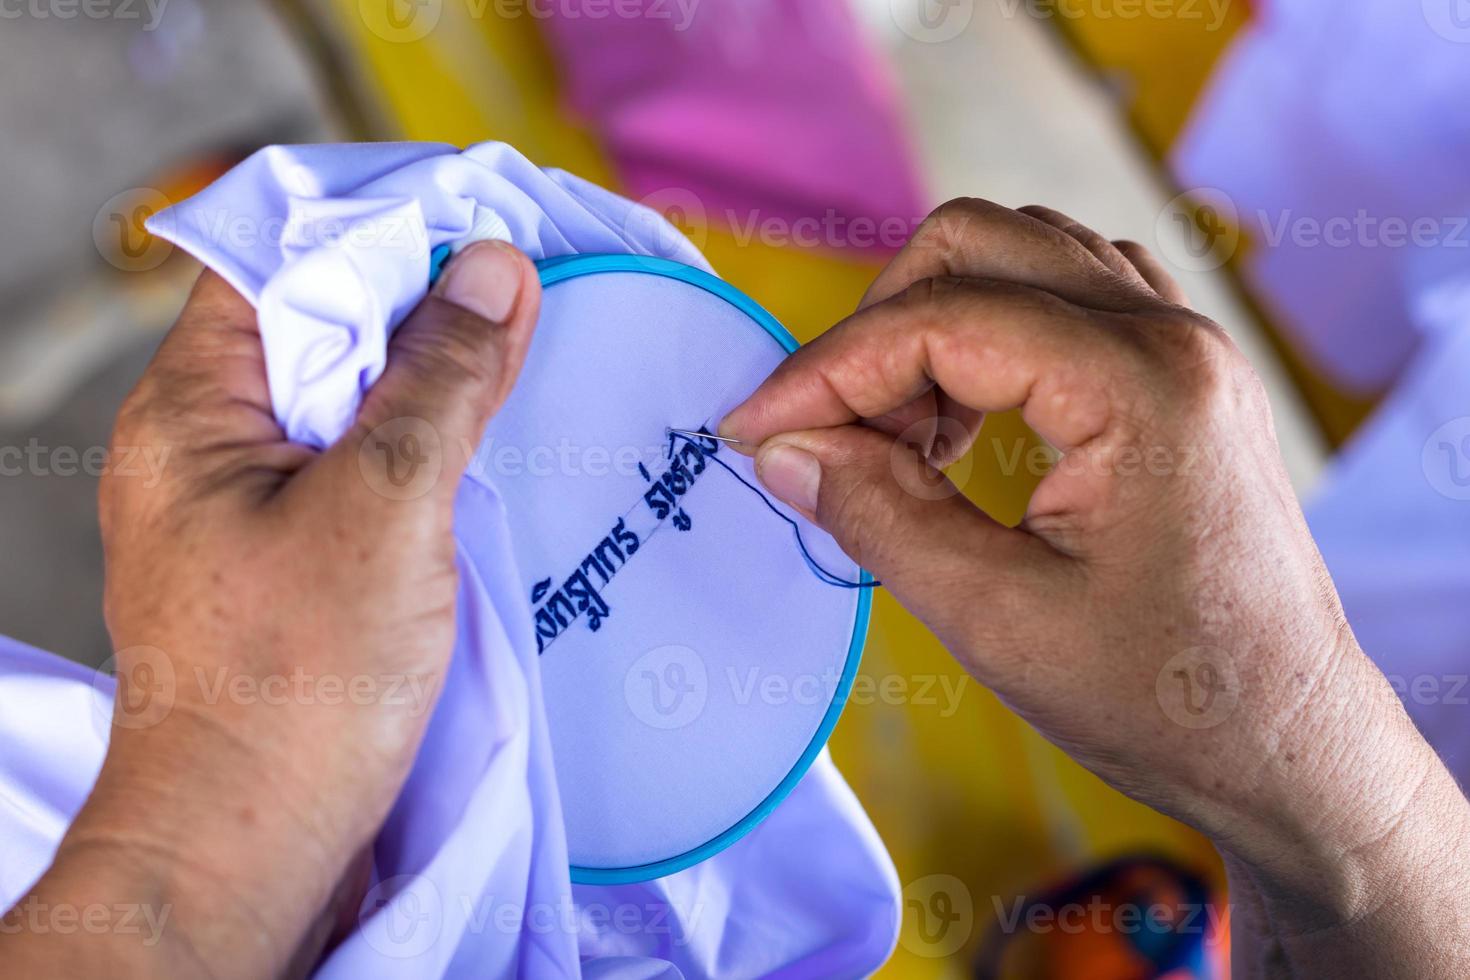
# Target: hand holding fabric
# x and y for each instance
(1162, 612)
(283, 618)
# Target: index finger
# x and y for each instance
(983, 240)
(991, 346)
(209, 373)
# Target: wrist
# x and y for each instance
(228, 830)
(1370, 860)
(98, 910)
(327, 749)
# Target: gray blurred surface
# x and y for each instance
(51, 581)
(90, 107)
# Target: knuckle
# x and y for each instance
(137, 421)
(458, 352)
(921, 292)
(948, 223)
(940, 293)
(961, 207)
(1209, 372)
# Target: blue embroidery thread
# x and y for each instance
(821, 573)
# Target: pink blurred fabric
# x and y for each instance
(746, 110)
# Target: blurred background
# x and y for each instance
(1303, 166)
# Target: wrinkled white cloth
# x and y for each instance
(332, 244)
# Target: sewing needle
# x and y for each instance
(705, 435)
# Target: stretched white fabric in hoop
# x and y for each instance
(692, 659)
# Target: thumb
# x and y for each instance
(453, 362)
(905, 522)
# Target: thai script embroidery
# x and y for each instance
(579, 595)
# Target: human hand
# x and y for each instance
(1162, 612)
(283, 617)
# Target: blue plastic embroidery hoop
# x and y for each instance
(559, 270)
